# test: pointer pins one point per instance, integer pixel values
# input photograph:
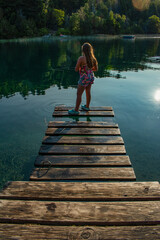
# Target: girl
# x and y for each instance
(86, 64)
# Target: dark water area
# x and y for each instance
(38, 74)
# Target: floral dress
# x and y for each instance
(86, 76)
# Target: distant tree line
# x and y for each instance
(27, 18)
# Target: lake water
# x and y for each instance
(38, 74)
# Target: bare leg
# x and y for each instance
(80, 91)
(88, 95)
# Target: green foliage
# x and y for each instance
(69, 6)
(20, 18)
(28, 28)
(7, 30)
(55, 18)
(43, 31)
(58, 17)
(75, 24)
(115, 17)
(153, 25)
(62, 31)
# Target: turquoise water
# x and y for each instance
(37, 74)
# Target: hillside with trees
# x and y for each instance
(29, 18)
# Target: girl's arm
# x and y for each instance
(78, 65)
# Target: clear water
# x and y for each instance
(37, 74)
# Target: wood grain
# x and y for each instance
(88, 160)
(84, 113)
(82, 131)
(82, 124)
(82, 149)
(80, 213)
(99, 174)
(82, 191)
(25, 232)
(80, 187)
(109, 140)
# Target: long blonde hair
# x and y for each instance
(87, 49)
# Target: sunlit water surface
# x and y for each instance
(38, 74)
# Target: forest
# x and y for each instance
(30, 18)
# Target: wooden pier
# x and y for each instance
(83, 186)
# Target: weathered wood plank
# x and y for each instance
(66, 108)
(84, 113)
(82, 191)
(98, 174)
(74, 160)
(25, 232)
(82, 149)
(83, 131)
(91, 124)
(109, 140)
(78, 213)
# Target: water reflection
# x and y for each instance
(31, 67)
(157, 95)
(77, 118)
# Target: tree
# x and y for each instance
(111, 23)
(69, 6)
(75, 24)
(153, 25)
(57, 18)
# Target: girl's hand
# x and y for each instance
(95, 68)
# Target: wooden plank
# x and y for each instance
(81, 124)
(83, 131)
(88, 160)
(82, 149)
(66, 108)
(109, 140)
(84, 113)
(80, 213)
(98, 174)
(25, 232)
(82, 191)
